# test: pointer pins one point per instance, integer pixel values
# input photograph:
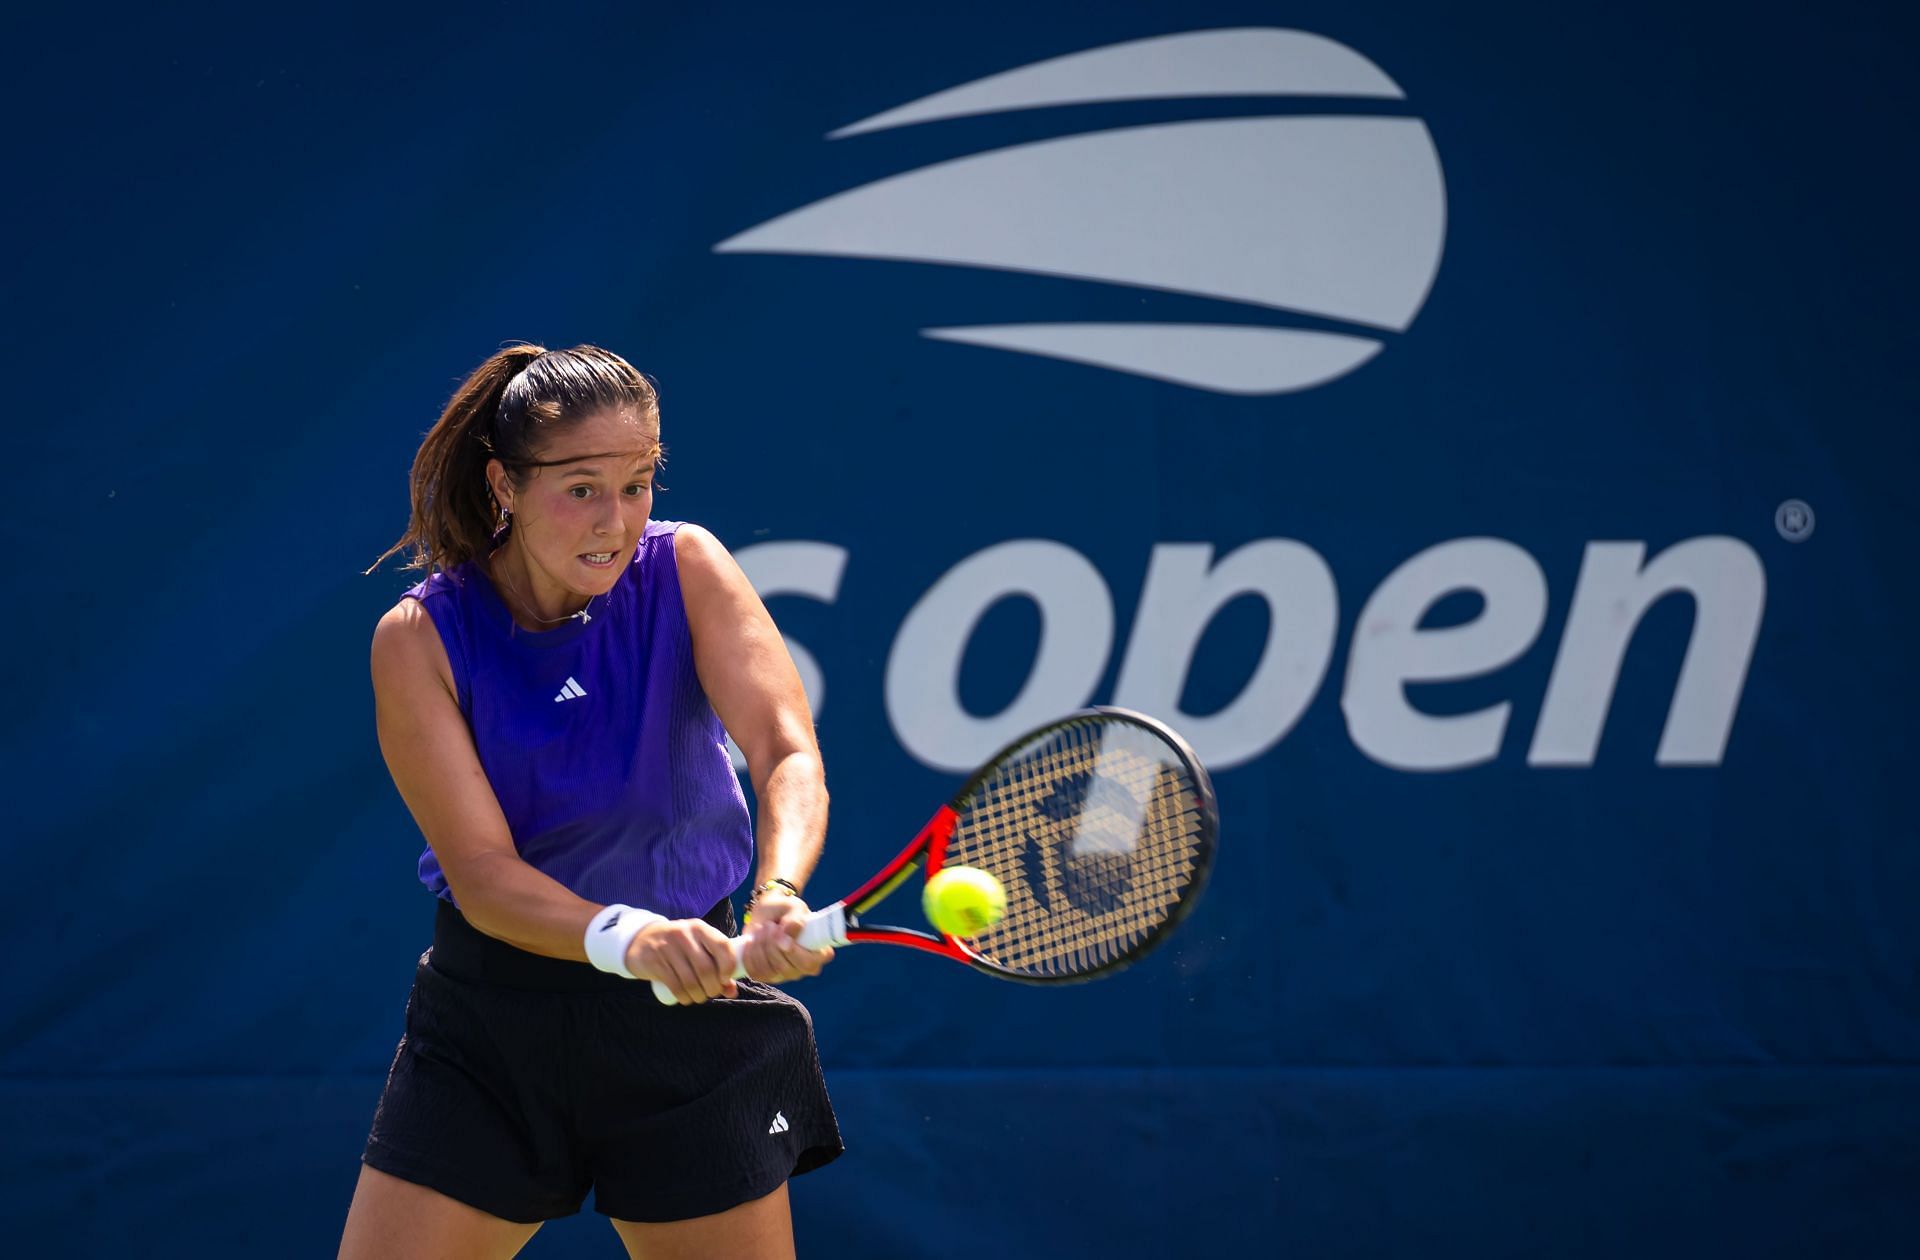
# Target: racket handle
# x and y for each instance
(824, 927)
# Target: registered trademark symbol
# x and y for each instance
(1794, 520)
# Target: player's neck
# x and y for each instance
(536, 604)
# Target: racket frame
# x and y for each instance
(928, 851)
(840, 923)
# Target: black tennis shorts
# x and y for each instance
(523, 1080)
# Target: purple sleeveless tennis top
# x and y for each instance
(601, 746)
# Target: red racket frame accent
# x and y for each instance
(928, 850)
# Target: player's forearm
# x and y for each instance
(793, 817)
(509, 900)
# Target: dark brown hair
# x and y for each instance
(508, 410)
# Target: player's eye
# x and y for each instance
(580, 492)
(637, 489)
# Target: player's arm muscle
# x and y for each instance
(432, 759)
(749, 678)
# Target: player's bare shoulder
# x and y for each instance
(711, 581)
(696, 549)
(407, 652)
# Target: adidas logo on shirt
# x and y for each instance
(780, 1124)
(572, 691)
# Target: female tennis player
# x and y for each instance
(551, 704)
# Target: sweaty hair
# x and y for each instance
(508, 410)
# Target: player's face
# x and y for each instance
(576, 520)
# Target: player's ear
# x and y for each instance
(499, 485)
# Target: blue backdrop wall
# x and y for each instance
(1485, 428)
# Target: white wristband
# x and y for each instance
(611, 931)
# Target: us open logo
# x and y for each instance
(1338, 218)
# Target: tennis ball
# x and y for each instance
(964, 901)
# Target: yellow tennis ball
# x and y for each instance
(964, 901)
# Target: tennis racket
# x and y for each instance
(1100, 826)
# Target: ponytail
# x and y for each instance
(453, 511)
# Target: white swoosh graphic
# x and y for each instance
(1250, 61)
(1340, 217)
(1227, 358)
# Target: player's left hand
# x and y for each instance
(772, 951)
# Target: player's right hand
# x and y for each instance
(689, 956)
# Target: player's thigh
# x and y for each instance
(392, 1219)
(761, 1229)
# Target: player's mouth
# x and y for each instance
(598, 559)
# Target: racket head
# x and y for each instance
(1102, 827)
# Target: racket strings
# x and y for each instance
(1096, 831)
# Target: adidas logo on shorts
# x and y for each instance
(780, 1124)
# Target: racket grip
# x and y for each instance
(824, 927)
